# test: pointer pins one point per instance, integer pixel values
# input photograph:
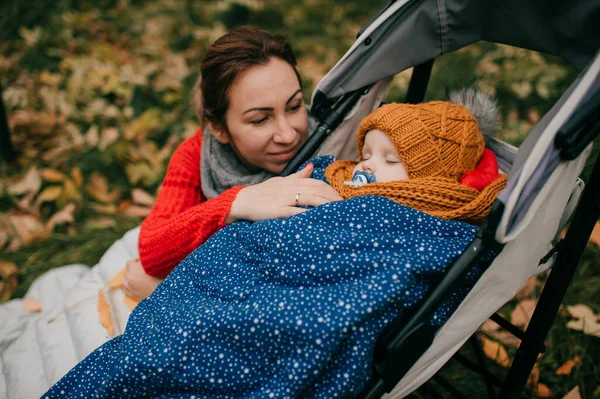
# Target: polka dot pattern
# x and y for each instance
(284, 308)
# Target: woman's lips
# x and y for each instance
(284, 155)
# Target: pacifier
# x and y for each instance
(360, 178)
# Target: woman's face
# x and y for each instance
(381, 158)
(267, 122)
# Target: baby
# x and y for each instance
(429, 156)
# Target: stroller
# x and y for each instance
(543, 189)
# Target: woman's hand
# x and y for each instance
(136, 283)
(276, 197)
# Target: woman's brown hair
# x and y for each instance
(226, 59)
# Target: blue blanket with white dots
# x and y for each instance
(287, 308)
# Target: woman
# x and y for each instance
(250, 103)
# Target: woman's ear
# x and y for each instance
(219, 132)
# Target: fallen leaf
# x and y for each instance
(31, 305)
(130, 302)
(65, 215)
(107, 137)
(52, 175)
(542, 391)
(527, 288)
(595, 237)
(137, 211)
(521, 315)
(568, 366)
(116, 281)
(77, 176)
(106, 209)
(100, 223)
(50, 193)
(573, 394)
(27, 228)
(8, 279)
(495, 351)
(97, 188)
(586, 320)
(104, 314)
(141, 197)
(494, 331)
(30, 183)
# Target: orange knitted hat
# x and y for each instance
(433, 139)
(437, 142)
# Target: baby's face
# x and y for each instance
(381, 158)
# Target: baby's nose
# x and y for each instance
(368, 166)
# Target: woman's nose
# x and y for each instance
(286, 134)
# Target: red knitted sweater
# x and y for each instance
(181, 218)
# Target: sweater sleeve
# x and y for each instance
(181, 219)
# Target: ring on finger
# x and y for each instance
(297, 199)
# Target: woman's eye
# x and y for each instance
(259, 121)
(295, 108)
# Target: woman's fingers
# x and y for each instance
(303, 173)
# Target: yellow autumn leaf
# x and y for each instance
(130, 302)
(65, 215)
(495, 351)
(32, 305)
(77, 176)
(97, 188)
(8, 279)
(52, 175)
(141, 197)
(568, 366)
(585, 320)
(104, 314)
(50, 193)
(30, 183)
(521, 315)
(595, 237)
(573, 394)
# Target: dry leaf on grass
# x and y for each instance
(538, 389)
(492, 329)
(53, 175)
(141, 197)
(595, 237)
(63, 216)
(495, 351)
(568, 366)
(98, 189)
(586, 320)
(104, 314)
(521, 315)
(30, 183)
(8, 280)
(527, 288)
(104, 308)
(32, 305)
(573, 394)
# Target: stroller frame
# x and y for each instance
(404, 340)
(406, 335)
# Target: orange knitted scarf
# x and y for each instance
(438, 196)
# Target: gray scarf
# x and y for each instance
(221, 169)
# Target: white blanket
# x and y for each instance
(37, 349)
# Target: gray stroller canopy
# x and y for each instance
(409, 32)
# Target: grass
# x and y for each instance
(47, 45)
